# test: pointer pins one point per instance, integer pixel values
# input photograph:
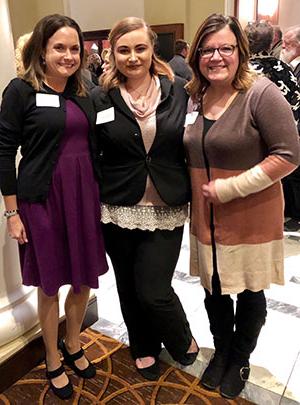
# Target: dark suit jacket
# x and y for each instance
(125, 164)
(180, 67)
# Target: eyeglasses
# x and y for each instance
(224, 50)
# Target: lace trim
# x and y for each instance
(144, 217)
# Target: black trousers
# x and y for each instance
(144, 264)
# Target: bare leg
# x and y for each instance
(48, 315)
(75, 308)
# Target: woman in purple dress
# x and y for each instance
(52, 206)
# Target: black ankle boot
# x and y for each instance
(215, 371)
(234, 380)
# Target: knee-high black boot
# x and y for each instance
(221, 318)
(250, 317)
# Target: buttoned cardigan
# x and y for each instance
(38, 130)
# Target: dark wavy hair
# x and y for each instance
(260, 35)
(112, 77)
(215, 22)
(33, 51)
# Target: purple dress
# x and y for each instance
(64, 232)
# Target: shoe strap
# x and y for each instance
(55, 373)
(75, 356)
(68, 356)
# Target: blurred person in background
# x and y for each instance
(178, 62)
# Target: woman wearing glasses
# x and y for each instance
(237, 154)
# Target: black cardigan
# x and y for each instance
(124, 163)
(38, 130)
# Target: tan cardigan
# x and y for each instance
(248, 149)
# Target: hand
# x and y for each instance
(209, 192)
(16, 229)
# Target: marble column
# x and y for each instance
(18, 312)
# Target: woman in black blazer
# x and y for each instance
(145, 191)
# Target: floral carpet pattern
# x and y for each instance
(116, 382)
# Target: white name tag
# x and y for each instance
(47, 100)
(105, 116)
(190, 118)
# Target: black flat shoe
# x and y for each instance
(88, 372)
(151, 373)
(63, 392)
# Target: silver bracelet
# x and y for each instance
(10, 213)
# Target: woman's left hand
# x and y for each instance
(209, 192)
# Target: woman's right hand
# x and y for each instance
(16, 229)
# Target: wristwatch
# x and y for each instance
(11, 213)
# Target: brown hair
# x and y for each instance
(260, 35)
(112, 77)
(180, 45)
(32, 55)
(214, 23)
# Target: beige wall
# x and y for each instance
(289, 13)
(197, 11)
(24, 14)
(49, 7)
(102, 14)
(189, 12)
(165, 11)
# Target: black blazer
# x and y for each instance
(38, 130)
(124, 163)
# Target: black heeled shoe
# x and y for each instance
(88, 372)
(63, 392)
(188, 358)
(150, 373)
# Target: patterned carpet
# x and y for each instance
(116, 382)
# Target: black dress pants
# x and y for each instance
(144, 264)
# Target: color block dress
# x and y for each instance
(64, 232)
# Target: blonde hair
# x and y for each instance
(112, 77)
(244, 77)
(105, 54)
(21, 42)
